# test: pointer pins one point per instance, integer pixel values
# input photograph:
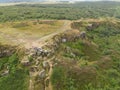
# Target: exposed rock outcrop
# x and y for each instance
(43, 57)
(6, 50)
(42, 74)
(83, 34)
(92, 26)
(46, 65)
(36, 51)
(4, 73)
(25, 61)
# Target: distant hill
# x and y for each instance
(11, 1)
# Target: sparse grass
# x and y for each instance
(23, 31)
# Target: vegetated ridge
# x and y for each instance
(82, 56)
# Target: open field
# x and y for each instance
(28, 31)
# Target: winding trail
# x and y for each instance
(48, 78)
(42, 41)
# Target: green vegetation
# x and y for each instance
(82, 49)
(92, 63)
(17, 78)
(98, 68)
(60, 11)
(65, 83)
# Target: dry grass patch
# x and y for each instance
(25, 31)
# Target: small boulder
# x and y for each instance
(64, 40)
(89, 27)
(83, 34)
(6, 72)
(25, 61)
(46, 64)
(42, 74)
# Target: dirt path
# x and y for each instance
(31, 86)
(14, 36)
(42, 41)
(49, 75)
(48, 78)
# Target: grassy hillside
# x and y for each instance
(84, 53)
(12, 76)
(89, 63)
(92, 63)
